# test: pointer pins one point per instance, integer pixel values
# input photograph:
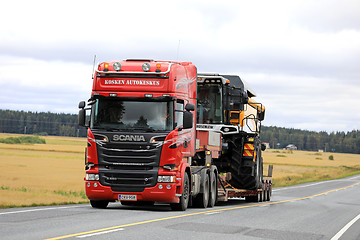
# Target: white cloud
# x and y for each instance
(39, 85)
(301, 57)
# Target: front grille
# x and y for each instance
(128, 166)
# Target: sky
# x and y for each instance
(302, 58)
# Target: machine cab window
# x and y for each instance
(209, 104)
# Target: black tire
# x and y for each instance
(256, 198)
(245, 175)
(249, 198)
(202, 199)
(269, 192)
(102, 204)
(265, 191)
(213, 190)
(184, 199)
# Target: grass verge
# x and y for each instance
(52, 173)
(319, 174)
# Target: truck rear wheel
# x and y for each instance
(184, 199)
(102, 204)
(202, 199)
(213, 190)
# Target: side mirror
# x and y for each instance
(261, 115)
(263, 147)
(82, 117)
(82, 104)
(187, 120)
(190, 107)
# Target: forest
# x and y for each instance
(58, 124)
(61, 124)
(341, 142)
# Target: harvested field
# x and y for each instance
(53, 173)
(42, 173)
(293, 167)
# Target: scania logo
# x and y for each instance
(129, 138)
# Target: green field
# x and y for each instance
(53, 173)
(42, 174)
(294, 167)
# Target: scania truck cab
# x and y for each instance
(141, 132)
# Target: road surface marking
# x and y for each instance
(211, 213)
(313, 184)
(345, 228)
(353, 178)
(99, 233)
(37, 209)
(301, 186)
(198, 213)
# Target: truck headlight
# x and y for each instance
(146, 67)
(117, 66)
(166, 179)
(92, 177)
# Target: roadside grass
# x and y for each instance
(23, 140)
(42, 174)
(303, 166)
(53, 173)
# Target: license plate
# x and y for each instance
(127, 197)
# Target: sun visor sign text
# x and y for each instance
(132, 82)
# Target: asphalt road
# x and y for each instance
(322, 210)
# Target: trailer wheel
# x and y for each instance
(269, 192)
(213, 190)
(265, 191)
(255, 198)
(102, 204)
(184, 199)
(202, 199)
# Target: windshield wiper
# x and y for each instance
(110, 129)
(149, 129)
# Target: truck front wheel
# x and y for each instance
(99, 203)
(184, 199)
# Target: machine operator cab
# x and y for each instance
(225, 104)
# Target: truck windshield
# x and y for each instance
(114, 114)
(209, 104)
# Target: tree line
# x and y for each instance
(61, 124)
(342, 142)
(58, 124)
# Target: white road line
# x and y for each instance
(211, 213)
(35, 210)
(347, 226)
(313, 184)
(293, 187)
(353, 178)
(99, 233)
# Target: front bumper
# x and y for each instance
(156, 193)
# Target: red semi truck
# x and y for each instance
(143, 144)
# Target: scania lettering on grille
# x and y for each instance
(129, 138)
